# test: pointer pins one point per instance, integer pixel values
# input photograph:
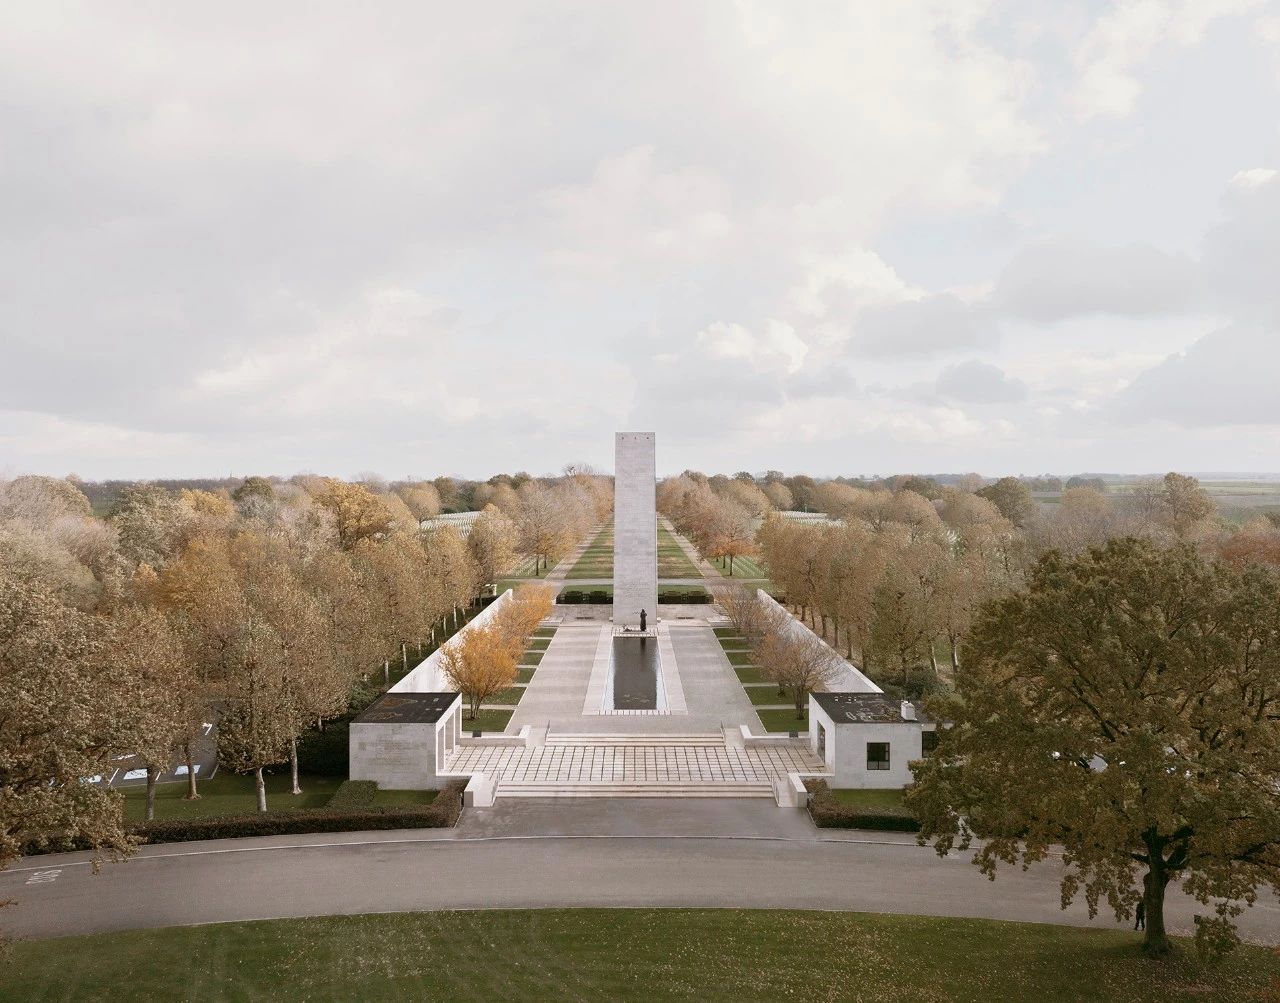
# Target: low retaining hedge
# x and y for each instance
(442, 813)
(828, 813)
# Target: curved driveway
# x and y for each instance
(546, 855)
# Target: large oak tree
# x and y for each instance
(1124, 705)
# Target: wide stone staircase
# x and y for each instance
(635, 766)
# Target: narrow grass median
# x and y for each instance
(626, 954)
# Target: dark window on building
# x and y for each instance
(877, 755)
(928, 741)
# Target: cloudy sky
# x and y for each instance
(833, 238)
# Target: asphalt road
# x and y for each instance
(588, 854)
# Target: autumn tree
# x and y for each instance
(146, 659)
(358, 513)
(479, 662)
(1124, 705)
(492, 543)
(795, 660)
(1012, 498)
(62, 720)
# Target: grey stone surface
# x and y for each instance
(635, 528)
(712, 695)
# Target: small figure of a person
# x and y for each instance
(644, 619)
(1140, 915)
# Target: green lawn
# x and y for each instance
(766, 694)
(486, 720)
(538, 644)
(547, 632)
(523, 675)
(673, 562)
(726, 632)
(227, 793)
(532, 657)
(741, 658)
(782, 720)
(511, 695)
(597, 560)
(750, 674)
(747, 568)
(624, 954)
(874, 800)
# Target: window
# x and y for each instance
(877, 755)
(928, 741)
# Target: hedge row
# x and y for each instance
(600, 598)
(442, 813)
(828, 813)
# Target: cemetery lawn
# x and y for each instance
(227, 793)
(625, 954)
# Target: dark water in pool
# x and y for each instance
(635, 673)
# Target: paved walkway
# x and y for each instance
(706, 567)
(556, 696)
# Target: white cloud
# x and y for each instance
(776, 349)
(978, 382)
(1111, 56)
(1254, 177)
(1051, 280)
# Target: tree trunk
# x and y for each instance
(192, 794)
(1155, 941)
(955, 656)
(151, 793)
(800, 695)
(386, 670)
(404, 655)
(261, 785)
(933, 660)
(293, 765)
(730, 565)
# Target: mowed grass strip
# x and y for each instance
(673, 562)
(486, 720)
(625, 955)
(765, 694)
(781, 720)
(750, 674)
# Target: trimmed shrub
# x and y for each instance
(828, 813)
(442, 813)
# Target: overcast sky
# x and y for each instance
(825, 238)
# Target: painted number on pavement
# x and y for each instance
(43, 877)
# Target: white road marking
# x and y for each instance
(44, 877)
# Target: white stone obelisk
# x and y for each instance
(635, 529)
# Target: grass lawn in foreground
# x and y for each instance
(624, 954)
(227, 793)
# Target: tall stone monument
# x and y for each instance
(635, 529)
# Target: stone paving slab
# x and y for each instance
(635, 763)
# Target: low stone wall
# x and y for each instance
(427, 676)
(850, 679)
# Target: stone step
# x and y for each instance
(634, 789)
(657, 740)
